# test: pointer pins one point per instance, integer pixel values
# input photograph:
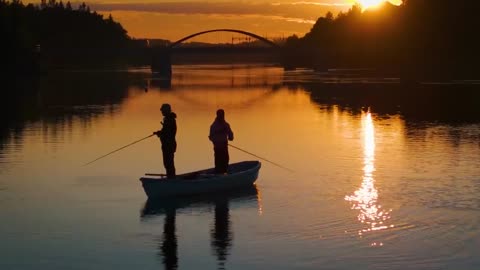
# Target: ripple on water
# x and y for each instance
(451, 193)
(430, 238)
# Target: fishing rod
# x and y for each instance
(276, 164)
(120, 149)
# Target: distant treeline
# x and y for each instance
(420, 38)
(57, 34)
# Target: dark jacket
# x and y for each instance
(169, 130)
(220, 132)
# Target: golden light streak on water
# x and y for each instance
(259, 202)
(365, 198)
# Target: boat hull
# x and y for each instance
(240, 174)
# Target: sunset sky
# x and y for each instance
(174, 19)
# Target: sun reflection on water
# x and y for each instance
(259, 202)
(365, 198)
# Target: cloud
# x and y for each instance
(302, 10)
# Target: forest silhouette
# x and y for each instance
(418, 39)
(62, 35)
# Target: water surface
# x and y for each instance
(386, 175)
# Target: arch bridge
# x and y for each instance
(161, 57)
(178, 42)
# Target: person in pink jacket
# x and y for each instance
(220, 134)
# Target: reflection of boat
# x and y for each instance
(221, 230)
(164, 206)
(240, 174)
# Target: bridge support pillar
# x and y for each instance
(162, 62)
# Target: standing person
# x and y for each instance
(220, 134)
(167, 138)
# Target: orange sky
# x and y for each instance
(174, 19)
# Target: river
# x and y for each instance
(385, 175)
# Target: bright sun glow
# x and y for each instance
(366, 4)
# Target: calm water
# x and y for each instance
(395, 186)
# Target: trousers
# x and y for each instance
(221, 158)
(168, 161)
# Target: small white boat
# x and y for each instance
(239, 174)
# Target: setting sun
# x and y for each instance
(366, 4)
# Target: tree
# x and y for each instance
(82, 7)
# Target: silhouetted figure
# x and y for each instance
(167, 138)
(220, 134)
(168, 249)
(221, 235)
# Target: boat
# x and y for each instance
(239, 175)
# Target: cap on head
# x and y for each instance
(166, 107)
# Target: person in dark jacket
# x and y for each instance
(220, 134)
(167, 138)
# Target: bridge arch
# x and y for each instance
(176, 43)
